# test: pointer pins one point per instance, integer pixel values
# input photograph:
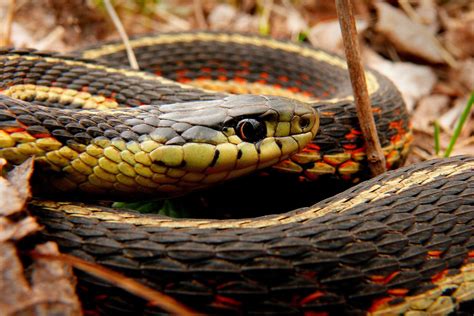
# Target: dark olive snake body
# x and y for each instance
(399, 243)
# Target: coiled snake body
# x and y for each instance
(399, 243)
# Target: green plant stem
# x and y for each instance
(436, 137)
(459, 125)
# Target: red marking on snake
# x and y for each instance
(439, 276)
(43, 135)
(203, 78)
(395, 124)
(311, 313)
(222, 78)
(312, 147)
(311, 297)
(242, 72)
(181, 72)
(240, 80)
(206, 69)
(350, 136)
(349, 146)
(10, 130)
(226, 300)
(379, 302)
(398, 292)
(264, 75)
(434, 253)
(384, 279)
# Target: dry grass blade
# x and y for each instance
(359, 86)
(7, 32)
(123, 35)
(165, 302)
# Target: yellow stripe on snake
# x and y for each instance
(400, 243)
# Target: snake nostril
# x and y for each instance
(304, 122)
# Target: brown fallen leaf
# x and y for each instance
(52, 287)
(465, 73)
(414, 81)
(407, 36)
(227, 17)
(19, 178)
(459, 36)
(14, 231)
(328, 35)
(10, 201)
(448, 119)
(52, 290)
(428, 110)
(15, 190)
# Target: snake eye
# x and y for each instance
(251, 130)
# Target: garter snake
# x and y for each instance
(399, 243)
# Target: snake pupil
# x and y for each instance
(251, 130)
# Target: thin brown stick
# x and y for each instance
(375, 155)
(165, 302)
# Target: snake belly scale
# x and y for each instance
(399, 243)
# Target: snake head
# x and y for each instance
(212, 141)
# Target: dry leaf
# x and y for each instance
(54, 281)
(465, 73)
(428, 110)
(428, 15)
(14, 288)
(52, 291)
(15, 231)
(10, 201)
(19, 178)
(449, 119)
(328, 35)
(406, 35)
(413, 81)
(226, 17)
(459, 37)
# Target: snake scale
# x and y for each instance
(400, 243)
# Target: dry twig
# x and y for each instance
(359, 86)
(165, 302)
